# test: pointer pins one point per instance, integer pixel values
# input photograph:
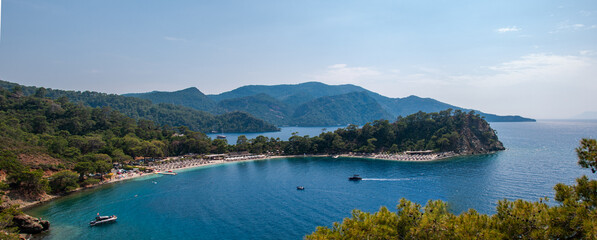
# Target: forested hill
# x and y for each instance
(287, 104)
(53, 135)
(162, 114)
(292, 94)
(262, 105)
(450, 130)
(190, 97)
(355, 107)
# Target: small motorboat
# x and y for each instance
(300, 188)
(355, 178)
(102, 219)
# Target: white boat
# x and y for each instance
(103, 219)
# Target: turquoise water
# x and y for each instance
(259, 200)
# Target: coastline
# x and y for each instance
(190, 165)
(27, 204)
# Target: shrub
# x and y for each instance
(64, 181)
(90, 181)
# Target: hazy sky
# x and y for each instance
(530, 58)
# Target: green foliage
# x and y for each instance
(63, 181)
(262, 144)
(574, 218)
(90, 181)
(587, 154)
(29, 182)
(84, 168)
(102, 167)
(219, 146)
(4, 186)
(9, 162)
(242, 143)
(7, 231)
(128, 167)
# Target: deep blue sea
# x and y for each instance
(259, 200)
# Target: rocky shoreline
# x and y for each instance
(24, 223)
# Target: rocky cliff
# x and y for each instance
(478, 138)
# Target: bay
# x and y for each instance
(259, 200)
(284, 134)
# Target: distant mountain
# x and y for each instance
(586, 115)
(412, 104)
(162, 114)
(314, 103)
(190, 97)
(293, 95)
(354, 108)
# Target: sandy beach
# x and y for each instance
(177, 164)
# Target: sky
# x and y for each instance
(535, 58)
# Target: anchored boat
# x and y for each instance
(102, 219)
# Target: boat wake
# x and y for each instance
(386, 179)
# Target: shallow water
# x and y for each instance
(259, 200)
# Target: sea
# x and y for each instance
(259, 199)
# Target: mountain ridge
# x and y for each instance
(284, 99)
(190, 97)
(354, 108)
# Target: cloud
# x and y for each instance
(342, 74)
(537, 85)
(508, 29)
(567, 26)
(585, 13)
(587, 53)
(533, 68)
(174, 39)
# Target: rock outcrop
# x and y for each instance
(29, 224)
(478, 138)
